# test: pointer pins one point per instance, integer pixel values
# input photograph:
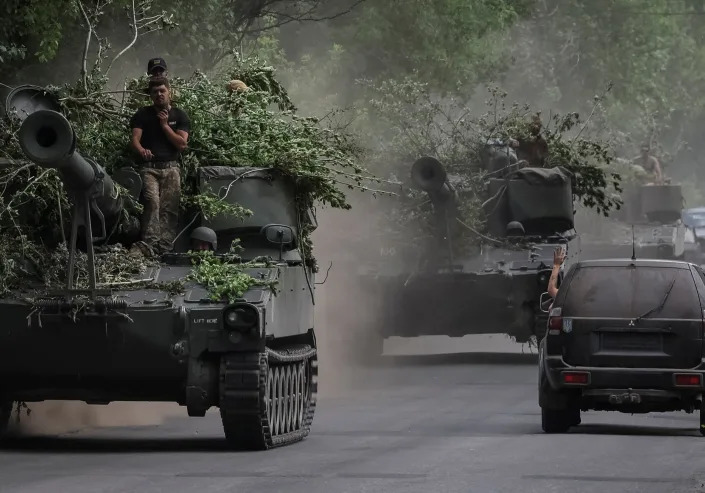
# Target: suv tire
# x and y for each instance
(556, 420)
(560, 411)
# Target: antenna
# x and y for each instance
(633, 245)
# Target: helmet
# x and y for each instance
(515, 228)
(205, 234)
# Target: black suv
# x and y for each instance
(623, 335)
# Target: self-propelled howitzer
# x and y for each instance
(495, 288)
(164, 336)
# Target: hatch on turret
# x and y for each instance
(270, 195)
(266, 192)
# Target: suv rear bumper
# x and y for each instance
(622, 378)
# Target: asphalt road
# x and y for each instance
(466, 425)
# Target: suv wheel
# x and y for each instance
(556, 420)
(563, 412)
(702, 415)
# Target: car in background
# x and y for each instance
(623, 335)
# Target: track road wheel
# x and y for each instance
(702, 415)
(268, 399)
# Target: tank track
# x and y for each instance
(268, 399)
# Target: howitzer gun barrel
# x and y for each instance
(47, 139)
(429, 175)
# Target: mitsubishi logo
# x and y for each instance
(631, 323)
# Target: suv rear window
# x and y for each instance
(627, 292)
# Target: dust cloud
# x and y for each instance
(61, 417)
(344, 242)
(341, 314)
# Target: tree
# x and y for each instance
(40, 37)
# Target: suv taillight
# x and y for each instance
(555, 321)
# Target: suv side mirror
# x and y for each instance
(544, 298)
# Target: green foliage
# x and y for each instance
(652, 54)
(226, 276)
(448, 44)
(257, 128)
(418, 123)
(210, 205)
(36, 25)
(113, 266)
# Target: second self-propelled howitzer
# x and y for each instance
(494, 286)
(648, 225)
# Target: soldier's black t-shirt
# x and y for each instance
(153, 137)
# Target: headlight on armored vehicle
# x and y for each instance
(241, 318)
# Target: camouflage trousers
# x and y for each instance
(161, 189)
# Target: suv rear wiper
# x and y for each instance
(660, 305)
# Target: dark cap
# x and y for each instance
(156, 62)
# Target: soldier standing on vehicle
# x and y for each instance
(159, 134)
(650, 164)
(534, 149)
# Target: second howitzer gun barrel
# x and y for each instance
(428, 174)
(47, 139)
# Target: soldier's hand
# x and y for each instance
(558, 256)
(146, 154)
(163, 117)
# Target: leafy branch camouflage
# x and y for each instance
(259, 128)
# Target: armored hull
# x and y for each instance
(497, 292)
(650, 241)
(146, 345)
(649, 227)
